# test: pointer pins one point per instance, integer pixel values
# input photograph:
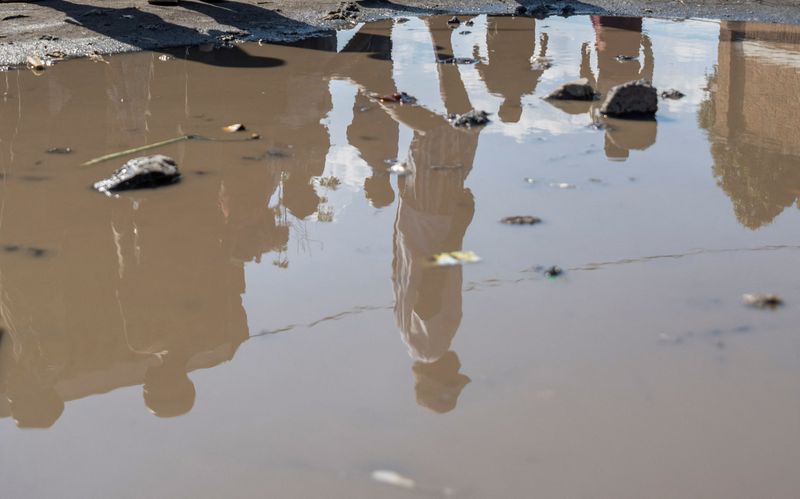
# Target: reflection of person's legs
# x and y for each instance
(162, 2)
(375, 135)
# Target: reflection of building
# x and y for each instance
(751, 116)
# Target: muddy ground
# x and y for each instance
(109, 26)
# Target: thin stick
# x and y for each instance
(114, 155)
(136, 149)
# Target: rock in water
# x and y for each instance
(574, 90)
(139, 173)
(630, 100)
(469, 119)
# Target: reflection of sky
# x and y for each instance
(415, 70)
(683, 54)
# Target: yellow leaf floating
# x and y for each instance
(451, 258)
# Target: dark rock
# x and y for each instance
(574, 90)
(37, 252)
(626, 58)
(469, 23)
(553, 271)
(672, 94)
(520, 10)
(567, 10)
(630, 100)
(454, 21)
(521, 220)
(139, 173)
(469, 119)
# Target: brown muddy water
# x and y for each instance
(271, 326)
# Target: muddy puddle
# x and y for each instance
(272, 325)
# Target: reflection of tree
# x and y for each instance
(753, 133)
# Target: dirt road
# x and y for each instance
(109, 26)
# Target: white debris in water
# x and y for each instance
(563, 185)
(164, 57)
(399, 169)
(393, 478)
(451, 258)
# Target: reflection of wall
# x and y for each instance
(752, 119)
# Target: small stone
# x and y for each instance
(236, 127)
(553, 271)
(626, 58)
(672, 94)
(521, 220)
(59, 150)
(574, 90)
(520, 10)
(454, 21)
(567, 10)
(762, 300)
(632, 99)
(469, 23)
(469, 119)
(138, 173)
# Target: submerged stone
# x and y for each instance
(637, 98)
(574, 90)
(139, 173)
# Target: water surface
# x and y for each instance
(272, 326)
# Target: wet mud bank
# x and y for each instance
(79, 29)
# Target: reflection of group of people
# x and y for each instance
(164, 296)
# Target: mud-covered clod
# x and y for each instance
(469, 119)
(762, 300)
(521, 220)
(140, 173)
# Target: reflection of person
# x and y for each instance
(438, 384)
(433, 213)
(373, 132)
(511, 43)
(752, 132)
(620, 36)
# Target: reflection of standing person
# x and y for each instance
(508, 73)
(373, 132)
(614, 37)
(433, 214)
